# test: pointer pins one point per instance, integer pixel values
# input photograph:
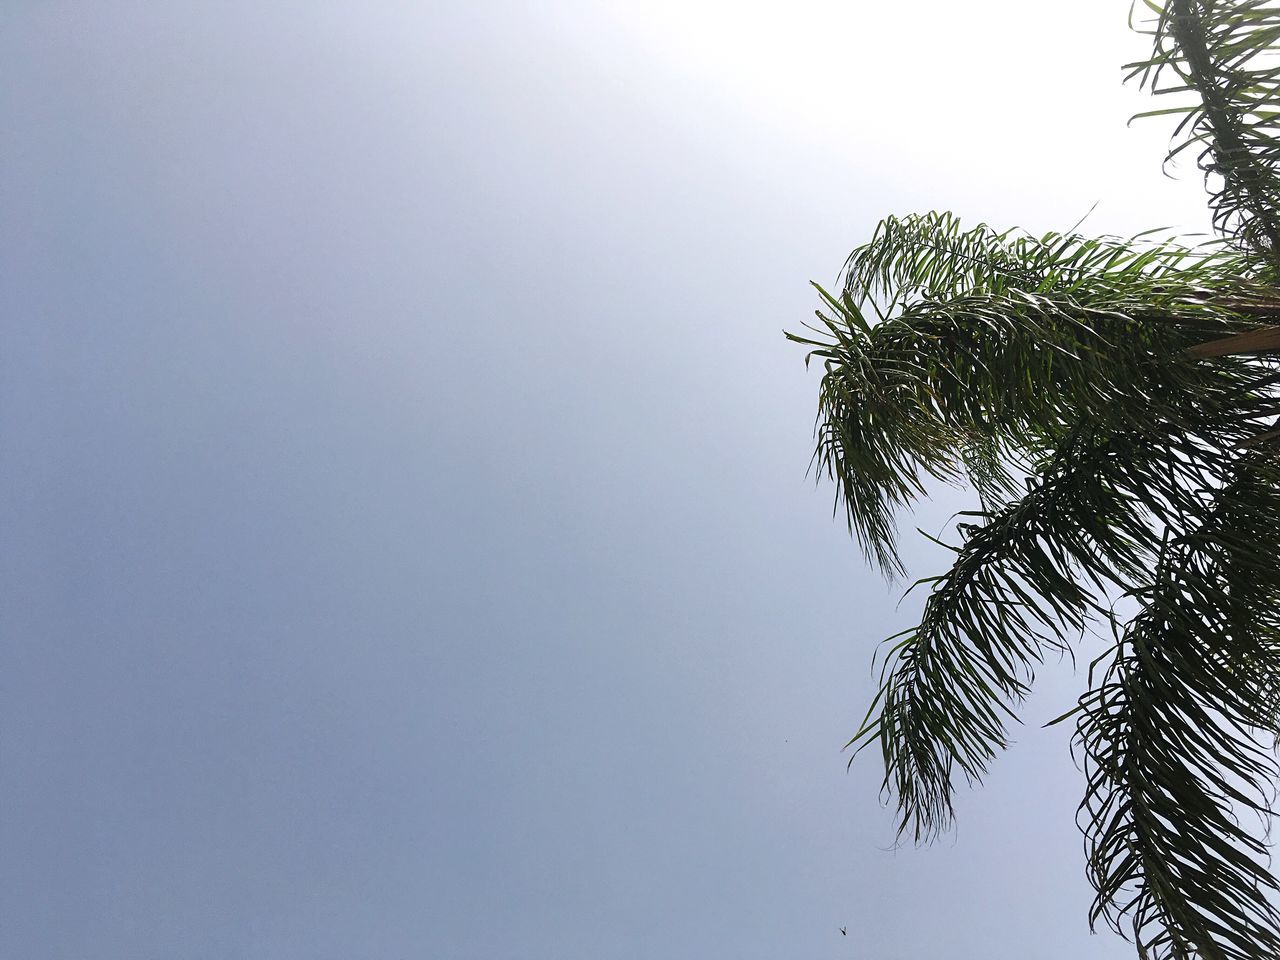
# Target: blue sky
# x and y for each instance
(407, 549)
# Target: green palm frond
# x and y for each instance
(997, 342)
(1222, 59)
(1171, 739)
(948, 684)
(1025, 582)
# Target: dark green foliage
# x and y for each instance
(1171, 737)
(1066, 379)
(1222, 58)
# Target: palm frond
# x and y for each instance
(1222, 59)
(948, 684)
(998, 342)
(1025, 582)
(1171, 739)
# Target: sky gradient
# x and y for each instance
(407, 548)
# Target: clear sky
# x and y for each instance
(405, 544)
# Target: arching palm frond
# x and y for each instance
(1001, 343)
(1171, 738)
(1223, 56)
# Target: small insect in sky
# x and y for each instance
(844, 932)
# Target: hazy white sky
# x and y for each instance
(407, 550)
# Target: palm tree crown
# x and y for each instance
(1114, 403)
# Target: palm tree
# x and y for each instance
(1114, 403)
